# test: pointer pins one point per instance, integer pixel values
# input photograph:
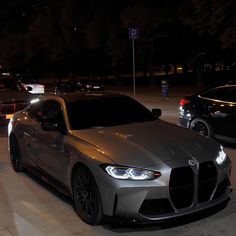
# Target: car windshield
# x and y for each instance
(105, 112)
(10, 85)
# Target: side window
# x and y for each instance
(52, 112)
(34, 111)
(227, 94)
(209, 94)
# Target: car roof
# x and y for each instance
(71, 97)
(217, 87)
(225, 86)
(232, 82)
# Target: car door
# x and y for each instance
(52, 157)
(226, 112)
(32, 148)
(220, 109)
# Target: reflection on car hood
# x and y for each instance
(16, 96)
(150, 143)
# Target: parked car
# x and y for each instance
(69, 87)
(116, 158)
(36, 88)
(13, 97)
(91, 84)
(82, 85)
(212, 113)
(29, 82)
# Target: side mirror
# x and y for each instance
(52, 125)
(156, 112)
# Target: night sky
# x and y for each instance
(91, 37)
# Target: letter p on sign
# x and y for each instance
(133, 33)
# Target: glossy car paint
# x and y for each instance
(154, 145)
(220, 114)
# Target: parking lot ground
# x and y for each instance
(28, 207)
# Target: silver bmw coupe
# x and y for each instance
(116, 158)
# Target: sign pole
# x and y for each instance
(133, 34)
(134, 90)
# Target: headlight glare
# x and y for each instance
(221, 156)
(9, 127)
(129, 173)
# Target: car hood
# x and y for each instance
(150, 143)
(14, 96)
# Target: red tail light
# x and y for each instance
(184, 101)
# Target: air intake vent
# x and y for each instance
(155, 207)
(182, 187)
(207, 179)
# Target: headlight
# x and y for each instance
(129, 173)
(221, 156)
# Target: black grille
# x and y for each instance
(11, 108)
(182, 187)
(207, 179)
(153, 207)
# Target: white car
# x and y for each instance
(34, 88)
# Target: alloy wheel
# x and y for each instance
(86, 196)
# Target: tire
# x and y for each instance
(202, 126)
(15, 155)
(87, 200)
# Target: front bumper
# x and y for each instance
(162, 209)
(165, 198)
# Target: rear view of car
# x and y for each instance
(211, 113)
(91, 84)
(32, 85)
(83, 85)
(34, 88)
(13, 97)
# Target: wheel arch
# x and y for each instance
(73, 171)
(205, 121)
(77, 165)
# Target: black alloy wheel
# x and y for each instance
(87, 201)
(15, 155)
(201, 126)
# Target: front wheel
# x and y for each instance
(87, 201)
(201, 126)
(15, 155)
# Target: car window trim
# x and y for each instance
(216, 100)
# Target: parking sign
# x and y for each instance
(133, 33)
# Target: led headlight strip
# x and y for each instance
(130, 173)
